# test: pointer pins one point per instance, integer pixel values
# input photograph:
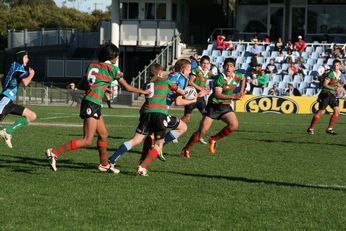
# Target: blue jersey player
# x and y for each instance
(19, 72)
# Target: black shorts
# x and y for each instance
(200, 105)
(172, 122)
(153, 122)
(90, 109)
(325, 99)
(215, 111)
(8, 107)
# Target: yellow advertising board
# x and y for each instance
(284, 104)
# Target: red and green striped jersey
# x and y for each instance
(334, 80)
(158, 101)
(201, 77)
(98, 78)
(228, 87)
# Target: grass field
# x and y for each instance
(269, 175)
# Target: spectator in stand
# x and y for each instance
(194, 61)
(292, 91)
(292, 69)
(337, 52)
(254, 62)
(279, 44)
(280, 58)
(274, 91)
(258, 78)
(289, 46)
(255, 39)
(263, 79)
(221, 43)
(300, 44)
(302, 70)
(271, 68)
(289, 57)
(255, 49)
(214, 71)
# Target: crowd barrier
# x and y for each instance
(283, 105)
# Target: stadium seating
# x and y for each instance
(312, 57)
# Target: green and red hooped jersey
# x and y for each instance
(228, 87)
(201, 77)
(334, 80)
(97, 79)
(157, 102)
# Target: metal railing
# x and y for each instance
(165, 58)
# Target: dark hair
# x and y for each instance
(336, 61)
(181, 64)
(155, 69)
(107, 51)
(18, 56)
(205, 57)
(229, 60)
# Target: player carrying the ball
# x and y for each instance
(198, 79)
(219, 107)
(96, 82)
(19, 72)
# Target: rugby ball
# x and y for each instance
(190, 93)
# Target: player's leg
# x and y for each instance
(188, 109)
(231, 121)
(147, 145)
(178, 128)
(102, 144)
(333, 118)
(26, 116)
(126, 146)
(201, 105)
(142, 131)
(314, 121)
(204, 126)
(89, 129)
(323, 100)
(152, 155)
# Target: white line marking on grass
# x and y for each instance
(74, 115)
(328, 186)
(67, 125)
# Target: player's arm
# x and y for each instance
(243, 85)
(27, 80)
(180, 101)
(192, 82)
(131, 88)
(326, 82)
(218, 93)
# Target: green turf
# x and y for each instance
(269, 175)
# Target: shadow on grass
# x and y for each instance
(266, 182)
(16, 164)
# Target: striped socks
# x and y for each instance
(102, 148)
(65, 148)
(193, 139)
(332, 121)
(224, 132)
(152, 155)
(314, 121)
